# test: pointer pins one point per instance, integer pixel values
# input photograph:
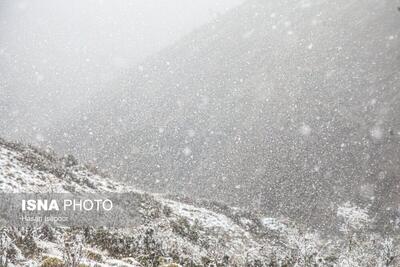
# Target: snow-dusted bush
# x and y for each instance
(388, 253)
(25, 238)
(52, 262)
(72, 252)
(354, 218)
(5, 244)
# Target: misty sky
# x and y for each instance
(53, 54)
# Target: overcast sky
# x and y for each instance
(55, 52)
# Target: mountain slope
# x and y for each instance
(170, 233)
(286, 106)
(31, 170)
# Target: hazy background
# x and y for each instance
(286, 107)
(54, 54)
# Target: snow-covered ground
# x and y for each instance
(172, 231)
(194, 232)
(28, 170)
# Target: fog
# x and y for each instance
(229, 132)
(285, 107)
(55, 54)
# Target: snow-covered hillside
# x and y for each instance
(28, 169)
(170, 232)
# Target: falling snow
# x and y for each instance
(287, 109)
